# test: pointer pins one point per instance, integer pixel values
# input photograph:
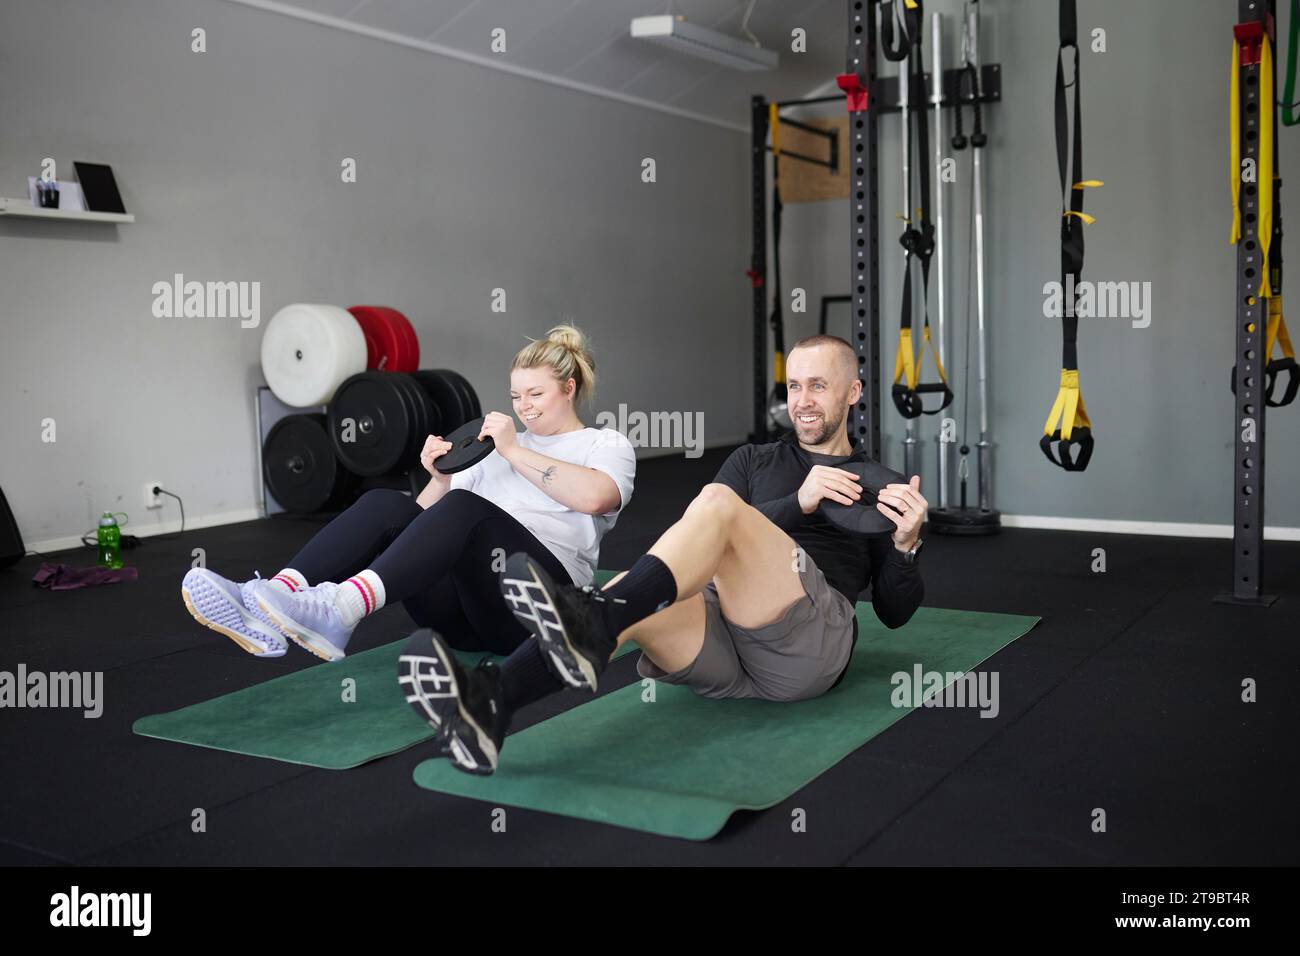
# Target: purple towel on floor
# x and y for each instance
(61, 577)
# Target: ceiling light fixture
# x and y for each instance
(677, 33)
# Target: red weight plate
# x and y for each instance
(367, 327)
(409, 357)
(383, 333)
(400, 331)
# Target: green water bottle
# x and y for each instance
(110, 542)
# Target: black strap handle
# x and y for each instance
(1080, 437)
(909, 402)
(1272, 369)
(910, 35)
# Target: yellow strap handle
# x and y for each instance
(907, 363)
(1277, 331)
(778, 368)
(943, 376)
(905, 359)
(1068, 407)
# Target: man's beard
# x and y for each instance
(827, 430)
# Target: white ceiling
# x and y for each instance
(586, 42)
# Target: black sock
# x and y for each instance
(647, 587)
(526, 678)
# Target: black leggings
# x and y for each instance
(441, 562)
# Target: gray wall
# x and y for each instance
(1155, 130)
(472, 179)
(469, 179)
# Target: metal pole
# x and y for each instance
(984, 448)
(904, 79)
(1250, 401)
(758, 263)
(864, 221)
(936, 99)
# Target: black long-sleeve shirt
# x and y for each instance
(769, 476)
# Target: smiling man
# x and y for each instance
(751, 593)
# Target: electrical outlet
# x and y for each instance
(152, 500)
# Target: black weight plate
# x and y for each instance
(425, 420)
(466, 450)
(299, 466)
(430, 421)
(468, 395)
(381, 417)
(862, 517)
(417, 403)
(442, 390)
(432, 411)
(468, 402)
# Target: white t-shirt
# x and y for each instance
(572, 536)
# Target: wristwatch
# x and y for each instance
(910, 556)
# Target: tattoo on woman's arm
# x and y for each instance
(548, 474)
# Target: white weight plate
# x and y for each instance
(308, 350)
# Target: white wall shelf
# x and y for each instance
(24, 208)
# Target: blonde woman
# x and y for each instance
(552, 490)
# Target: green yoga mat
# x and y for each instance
(680, 766)
(302, 717)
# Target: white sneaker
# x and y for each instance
(230, 609)
(309, 617)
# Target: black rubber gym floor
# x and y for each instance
(1127, 697)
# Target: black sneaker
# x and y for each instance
(567, 621)
(466, 707)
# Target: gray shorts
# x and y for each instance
(795, 658)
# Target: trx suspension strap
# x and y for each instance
(1068, 409)
(918, 236)
(1266, 180)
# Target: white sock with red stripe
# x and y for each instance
(288, 580)
(358, 596)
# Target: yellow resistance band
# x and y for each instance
(1264, 174)
(1068, 407)
(908, 364)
